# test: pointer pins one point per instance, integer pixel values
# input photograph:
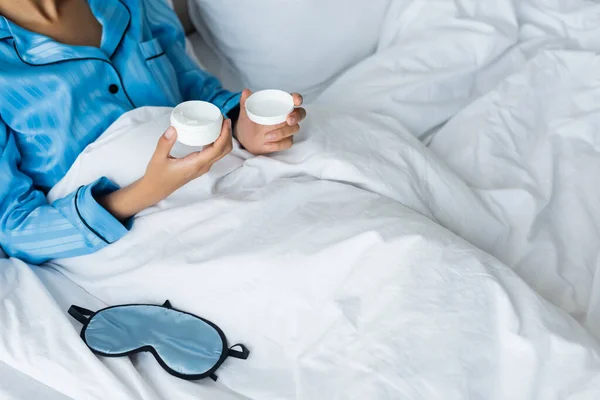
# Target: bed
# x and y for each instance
(434, 232)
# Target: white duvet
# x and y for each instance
(362, 264)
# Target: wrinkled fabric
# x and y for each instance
(361, 264)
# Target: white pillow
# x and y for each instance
(214, 64)
(293, 45)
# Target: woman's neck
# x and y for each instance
(31, 11)
(66, 21)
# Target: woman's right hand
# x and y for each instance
(166, 174)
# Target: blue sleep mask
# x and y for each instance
(185, 345)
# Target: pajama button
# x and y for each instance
(113, 88)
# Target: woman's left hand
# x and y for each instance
(260, 139)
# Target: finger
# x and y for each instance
(196, 160)
(211, 152)
(166, 143)
(296, 116)
(205, 167)
(281, 133)
(280, 145)
(226, 150)
(224, 141)
(201, 171)
(298, 100)
(245, 94)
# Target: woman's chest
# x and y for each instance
(76, 25)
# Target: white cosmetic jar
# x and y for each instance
(198, 123)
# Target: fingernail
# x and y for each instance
(169, 133)
(292, 121)
(270, 136)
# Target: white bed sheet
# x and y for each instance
(348, 264)
(42, 356)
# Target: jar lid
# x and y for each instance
(269, 107)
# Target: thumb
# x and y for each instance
(166, 143)
(245, 94)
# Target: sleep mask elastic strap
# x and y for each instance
(242, 355)
(80, 314)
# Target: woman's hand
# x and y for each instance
(259, 139)
(166, 174)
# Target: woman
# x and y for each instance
(68, 69)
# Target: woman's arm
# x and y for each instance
(36, 231)
(194, 83)
(128, 201)
(94, 215)
(164, 175)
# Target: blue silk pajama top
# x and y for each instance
(55, 99)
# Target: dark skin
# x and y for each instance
(66, 21)
(72, 22)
